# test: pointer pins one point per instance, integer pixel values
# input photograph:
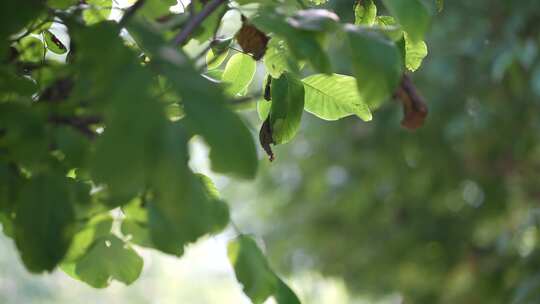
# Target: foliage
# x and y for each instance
(87, 131)
(447, 214)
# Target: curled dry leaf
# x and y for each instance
(414, 107)
(265, 138)
(267, 89)
(252, 40)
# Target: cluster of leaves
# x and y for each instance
(448, 214)
(95, 118)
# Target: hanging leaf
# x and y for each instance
(287, 107)
(44, 240)
(258, 281)
(335, 96)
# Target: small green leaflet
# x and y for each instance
(253, 272)
(377, 64)
(287, 107)
(413, 16)
(335, 96)
(238, 73)
(53, 43)
(365, 12)
(415, 52)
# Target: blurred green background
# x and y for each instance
(355, 212)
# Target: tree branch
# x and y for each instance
(196, 20)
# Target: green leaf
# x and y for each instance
(95, 228)
(335, 96)
(10, 184)
(214, 60)
(156, 8)
(186, 207)
(135, 224)
(415, 52)
(318, 20)
(122, 161)
(376, 64)
(232, 147)
(26, 135)
(98, 10)
(303, 44)
(258, 281)
(277, 58)
(287, 107)
(31, 49)
(61, 4)
(53, 43)
(15, 15)
(263, 108)
(365, 12)
(44, 222)
(74, 146)
(238, 73)
(108, 258)
(413, 16)
(216, 74)
(390, 27)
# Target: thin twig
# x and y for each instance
(196, 20)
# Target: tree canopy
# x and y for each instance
(99, 100)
